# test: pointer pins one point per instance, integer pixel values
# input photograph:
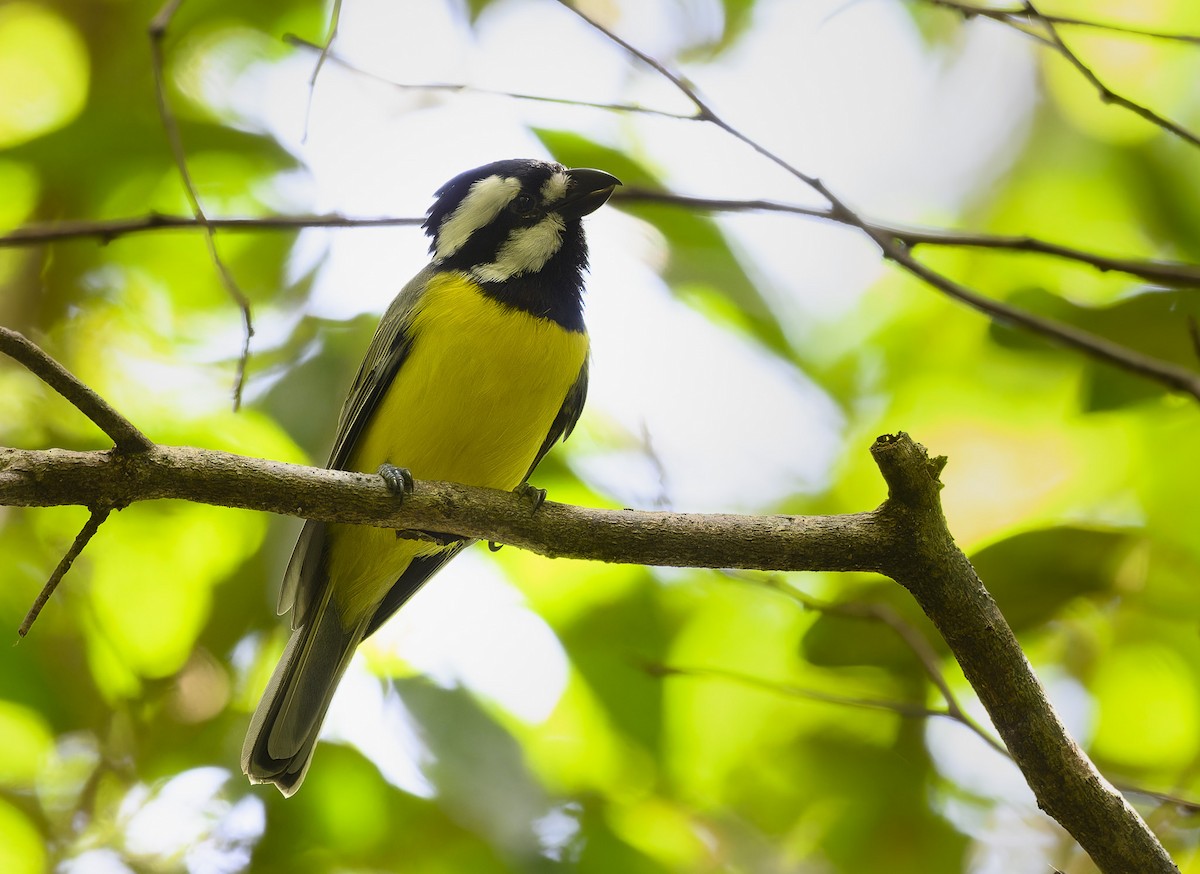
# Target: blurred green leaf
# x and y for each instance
(837, 641)
(1153, 322)
(1034, 575)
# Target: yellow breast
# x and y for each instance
(472, 403)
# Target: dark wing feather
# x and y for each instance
(568, 415)
(389, 348)
(418, 571)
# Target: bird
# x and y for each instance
(477, 368)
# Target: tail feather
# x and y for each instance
(283, 732)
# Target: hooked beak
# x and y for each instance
(586, 192)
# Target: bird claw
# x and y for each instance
(533, 494)
(398, 480)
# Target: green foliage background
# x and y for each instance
(1074, 487)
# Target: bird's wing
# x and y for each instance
(389, 347)
(418, 571)
(568, 415)
(388, 350)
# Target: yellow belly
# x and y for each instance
(472, 404)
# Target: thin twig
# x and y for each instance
(456, 87)
(1171, 273)
(1064, 780)
(903, 708)
(910, 636)
(1165, 373)
(157, 32)
(335, 18)
(1004, 16)
(106, 231)
(125, 435)
(95, 520)
(1107, 95)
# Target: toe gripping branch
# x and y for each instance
(535, 496)
(399, 481)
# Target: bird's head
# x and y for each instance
(516, 218)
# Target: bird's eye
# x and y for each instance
(524, 206)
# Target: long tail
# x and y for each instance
(279, 744)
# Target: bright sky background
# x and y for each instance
(845, 89)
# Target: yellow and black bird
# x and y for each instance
(477, 368)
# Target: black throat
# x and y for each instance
(555, 292)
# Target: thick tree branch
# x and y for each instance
(906, 538)
(939, 576)
(58, 477)
(1066, 783)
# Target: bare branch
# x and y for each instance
(1028, 17)
(462, 88)
(334, 19)
(903, 708)
(923, 650)
(1170, 273)
(49, 478)
(157, 32)
(1107, 94)
(1065, 781)
(1165, 373)
(95, 520)
(1005, 16)
(108, 230)
(125, 436)
(911, 637)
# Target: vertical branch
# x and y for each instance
(335, 18)
(1066, 783)
(157, 32)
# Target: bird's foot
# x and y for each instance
(398, 480)
(532, 494)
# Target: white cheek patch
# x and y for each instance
(555, 188)
(525, 251)
(484, 201)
